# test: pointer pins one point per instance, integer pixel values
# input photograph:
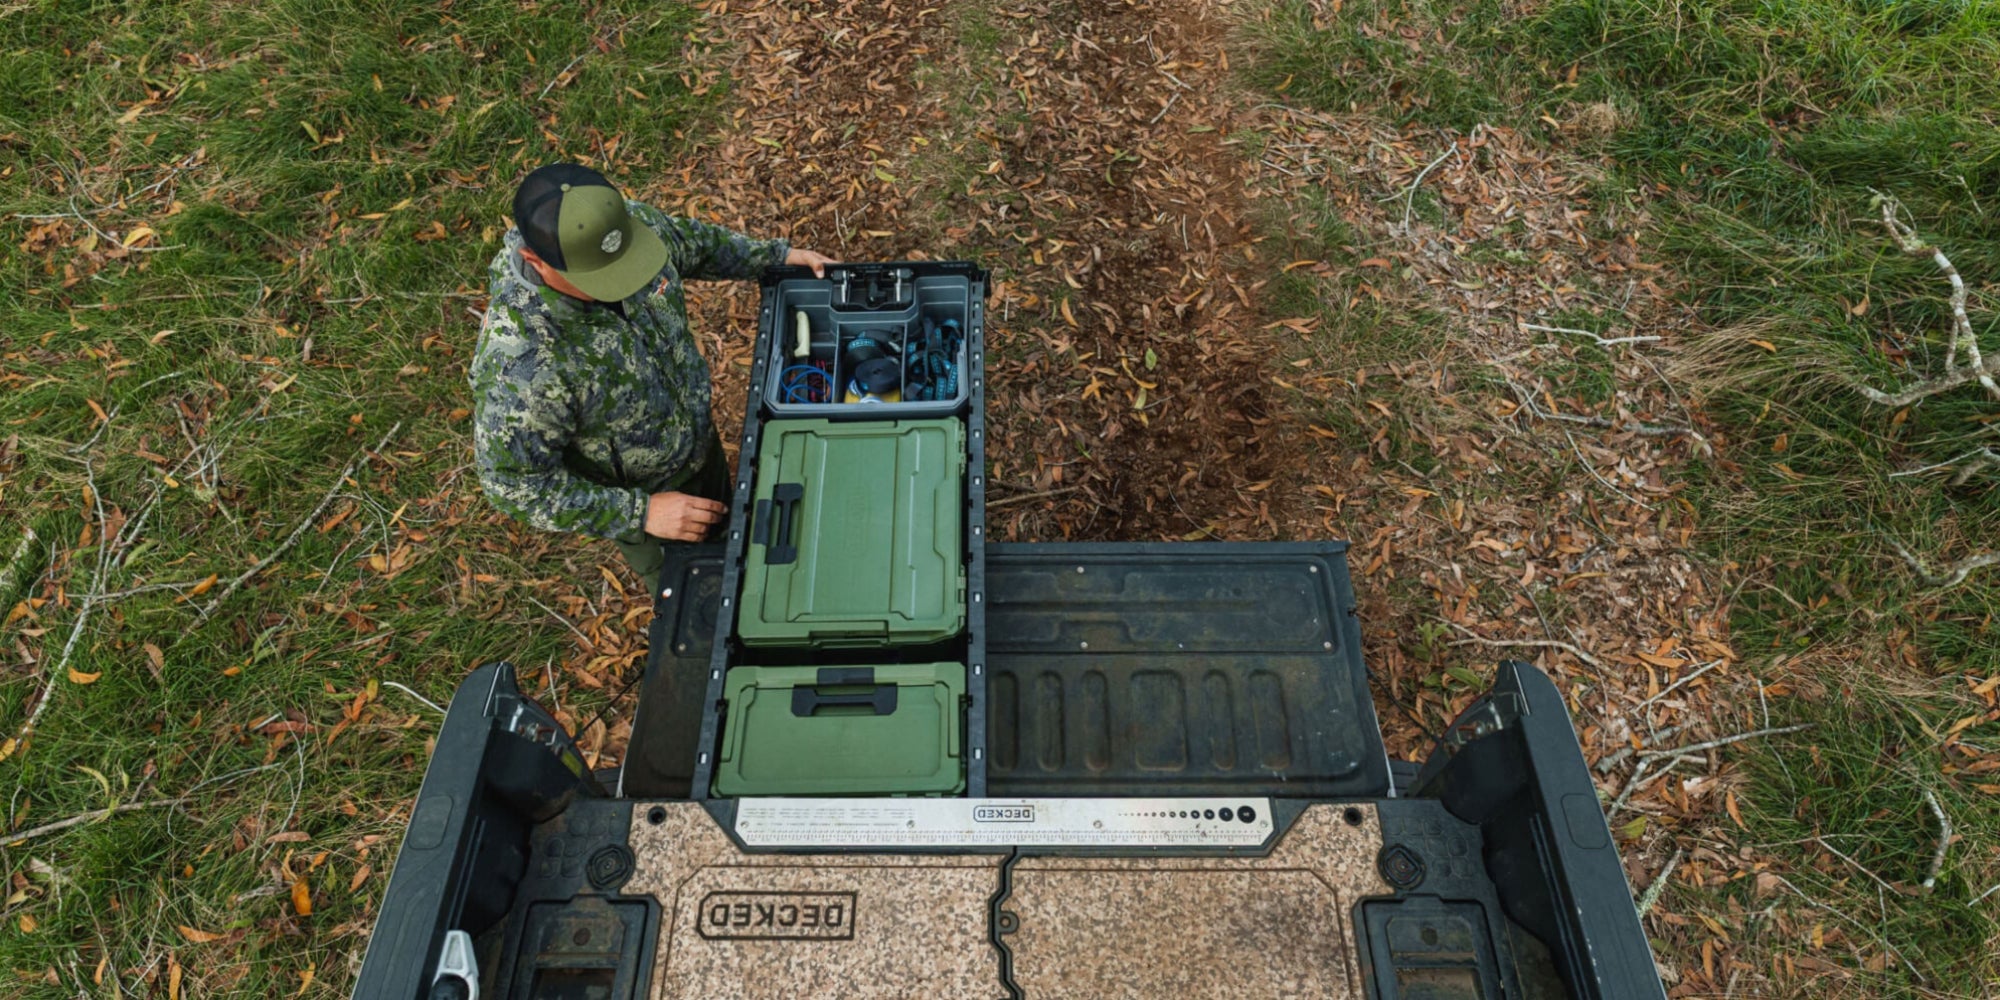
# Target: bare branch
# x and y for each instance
(1026, 497)
(433, 706)
(1944, 840)
(1952, 574)
(1604, 423)
(1410, 197)
(1976, 367)
(1675, 686)
(1858, 925)
(1620, 755)
(1475, 639)
(13, 839)
(1725, 741)
(12, 569)
(1652, 894)
(60, 668)
(293, 538)
(1966, 466)
(1856, 865)
(558, 617)
(1601, 341)
(1633, 783)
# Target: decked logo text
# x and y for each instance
(1003, 814)
(779, 916)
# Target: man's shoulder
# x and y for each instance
(516, 317)
(664, 224)
(517, 330)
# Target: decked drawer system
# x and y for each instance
(855, 540)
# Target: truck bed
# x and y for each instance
(1187, 796)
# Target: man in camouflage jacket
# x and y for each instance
(590, 400)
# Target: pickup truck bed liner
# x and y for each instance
(1497, 879)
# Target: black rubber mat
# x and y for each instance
(1177, 669)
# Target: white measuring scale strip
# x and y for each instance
(917, 822)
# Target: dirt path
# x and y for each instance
(1098, 157)
(1081, 150)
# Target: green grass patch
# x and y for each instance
(245, 240)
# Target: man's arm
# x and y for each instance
(702, 251)
(520, 426)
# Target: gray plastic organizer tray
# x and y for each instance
(834, 321)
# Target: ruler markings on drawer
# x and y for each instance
(1150, 822)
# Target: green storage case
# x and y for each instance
(857, 536)
(843, 731)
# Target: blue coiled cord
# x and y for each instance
(931, 370)
(793, 383)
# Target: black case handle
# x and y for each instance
(780, 548)
(807, 700)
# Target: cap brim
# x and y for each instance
(633, 270)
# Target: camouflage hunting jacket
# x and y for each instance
(581, 410)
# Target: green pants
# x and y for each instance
(710, 481)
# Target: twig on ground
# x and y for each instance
(1675, 686)
(1954, 573)
(1864, 928)
(1475, 639)
(1605, 423)
(1601, 341)
(1652, 894)
(560, 73)
(1025, 497)
(1634, 783)
(14, 564)
(558, 617)
(60, 668)
(1838, 853)
(1620, 755)
(1976, 367)
(1944, 840)
(433, 706)
(1584, 460)
(595, 40)
(102, 426)
(13, 839)
(1410, 197)
(119, 595)
(1726, 741)
(293, 538)
(1966, 466)
(1990, 890)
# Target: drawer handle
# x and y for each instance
(808, 701)
(780, 548)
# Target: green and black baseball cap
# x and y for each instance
(571, 217)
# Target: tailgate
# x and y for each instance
(1178, 669)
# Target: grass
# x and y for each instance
(1760, 132)
(323, 183)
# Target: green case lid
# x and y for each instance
(893, 729)
(857, 535)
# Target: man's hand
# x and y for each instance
(808, 258)
(678, 517)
